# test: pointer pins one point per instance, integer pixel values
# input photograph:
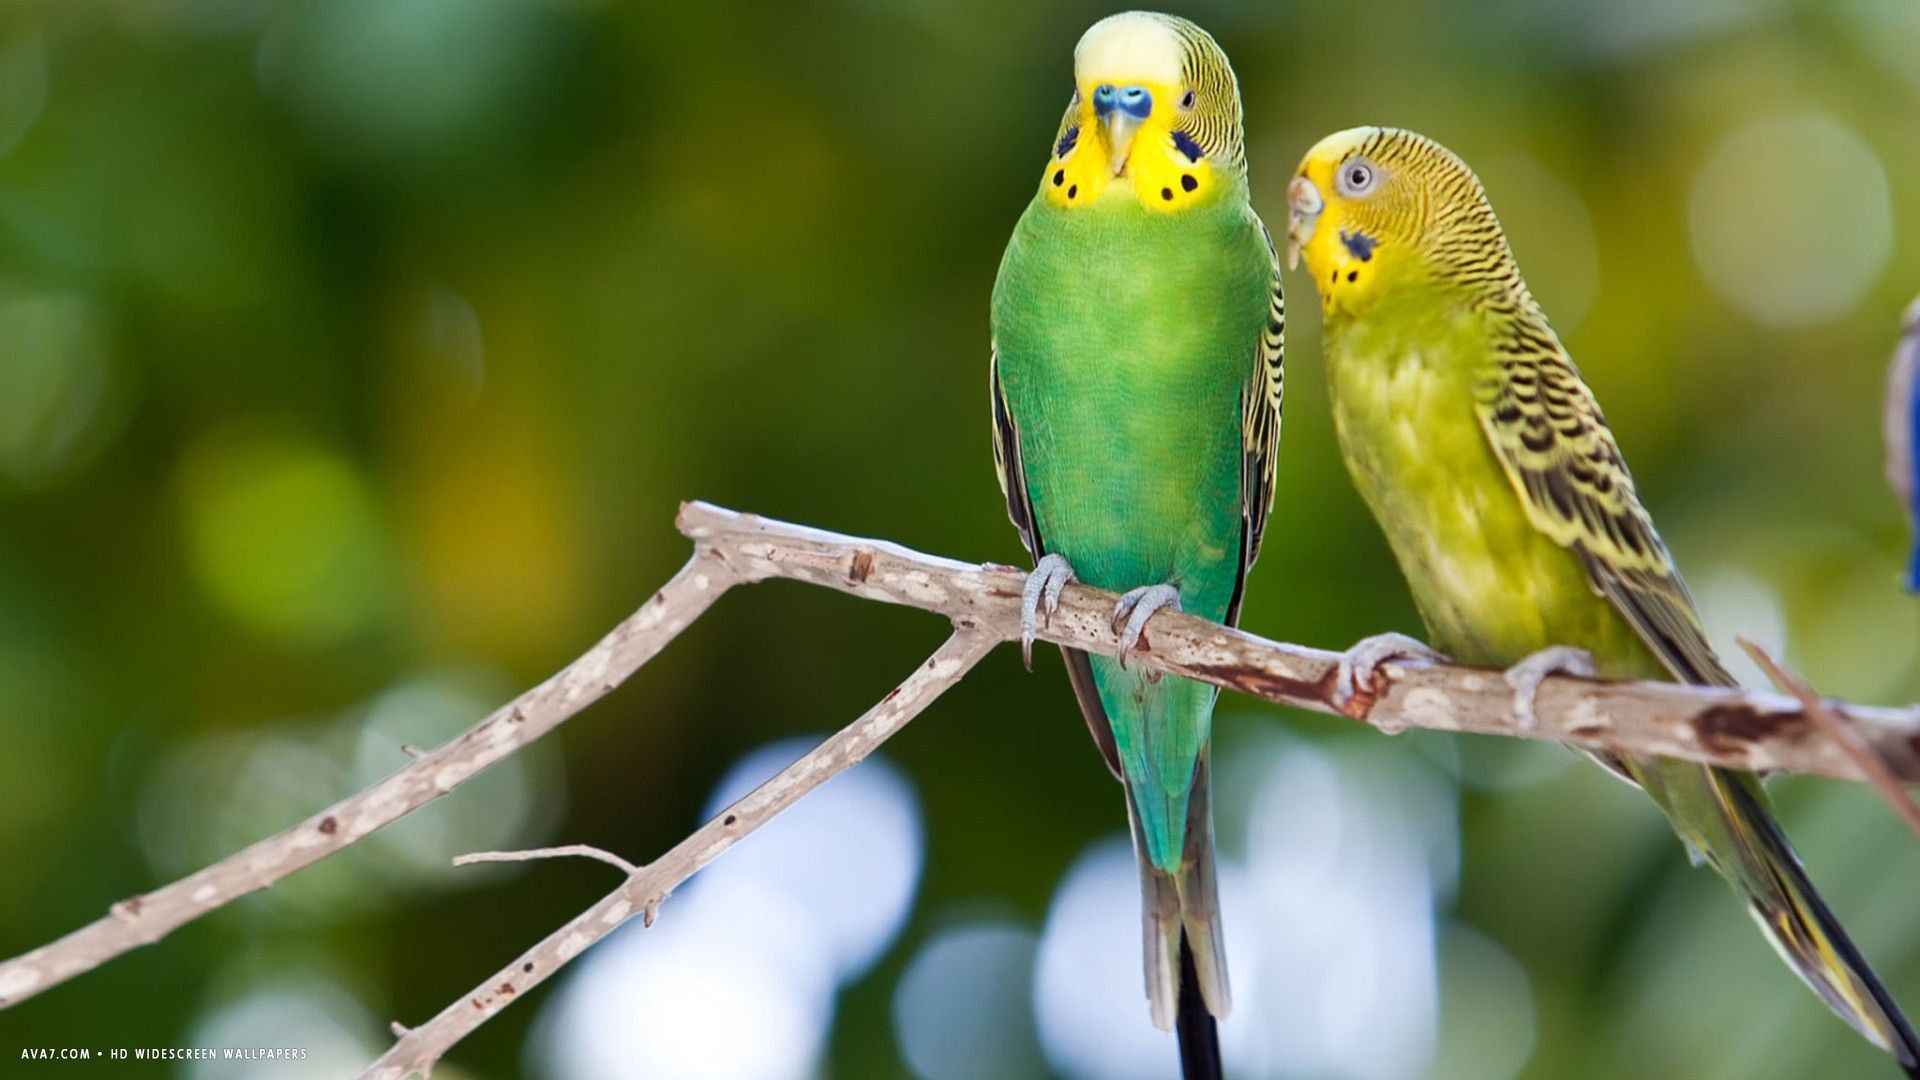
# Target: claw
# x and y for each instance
(1526, 676)
(1040, 599)
(1359, 664)
(1130, 615)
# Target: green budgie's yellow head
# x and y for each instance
(1376, 208)
(1155, 116)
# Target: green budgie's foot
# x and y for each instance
(1041, 598)
(1526, 676)
(1130, 616)
(1360, 664)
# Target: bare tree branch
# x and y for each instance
(1837, 727)
(1735, 728)
(144, 919)
(1721, 726)
(641, 894)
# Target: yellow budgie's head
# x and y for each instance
(1155, 116)
(1376, 207)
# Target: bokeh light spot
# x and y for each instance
(1486, 1010)
(1889, 30)
(515, 803)
(296, 1012)
(963, 1009)
(710, 992)
(209, 797)
(283, 535)
(1791, 219)
(1736, 604)
(55, 379)
(736, 980)
(23, 87)
(411, 82)
(1349, 853)
(1088, 995)
(848, 855)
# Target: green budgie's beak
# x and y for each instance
(1121, 110)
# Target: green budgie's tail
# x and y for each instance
(1180, 919)
(1160, 730)
(1195, 1029)
(1723, 817)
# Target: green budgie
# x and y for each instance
(1137, 340)
(1484, 456)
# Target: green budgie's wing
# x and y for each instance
(1006, 462)
(1547, 431)
(1260, 430)
(1013, 484)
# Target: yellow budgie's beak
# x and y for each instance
(1304, 206)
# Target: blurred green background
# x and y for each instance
(355, 353)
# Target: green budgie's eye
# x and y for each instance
(1357, 178)
(1186, 101)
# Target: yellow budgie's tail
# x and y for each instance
(1797, 921)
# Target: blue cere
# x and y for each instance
(1135, 101)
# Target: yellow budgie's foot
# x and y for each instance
(1040, 599)
(1526, 676)
(1130, 616)
(1360, 664)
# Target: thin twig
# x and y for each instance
(647, 887)
(144, 919)
(585, 851)
(1841, 731)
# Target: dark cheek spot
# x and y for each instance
(1166, 193)
(1333, 278)
(1072, 191)
(1353, 276)
(1188, 183)
(1059, 177)
(1359, 244)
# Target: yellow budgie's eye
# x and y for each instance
(1357, 178)
(1186, 101)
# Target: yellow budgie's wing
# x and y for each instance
(1547, 431)
(1013, 485)
(1260, 431)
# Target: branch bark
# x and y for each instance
(1734, 728)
